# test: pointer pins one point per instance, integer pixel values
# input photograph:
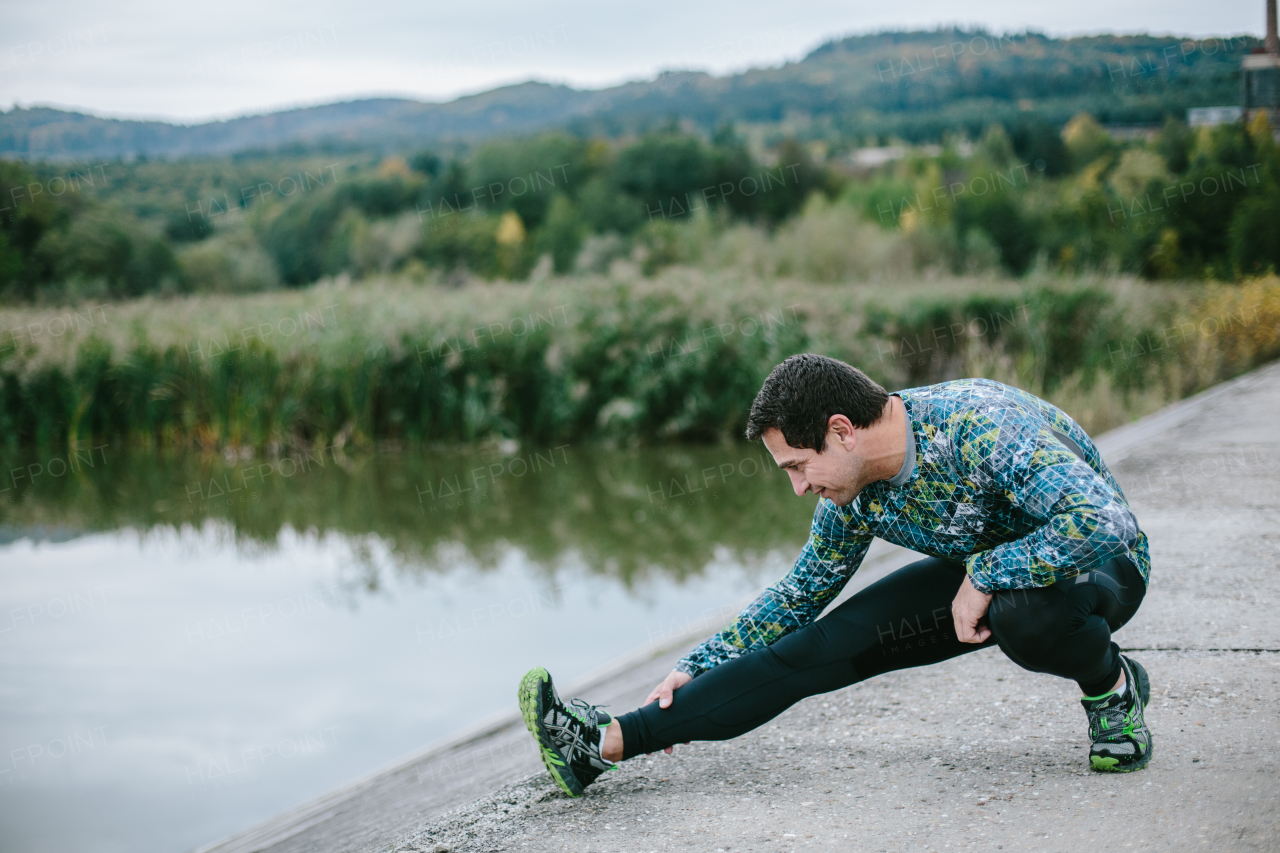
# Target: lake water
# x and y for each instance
(192, 644)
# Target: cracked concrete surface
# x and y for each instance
(972, 753)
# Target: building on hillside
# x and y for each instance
(1259, 85)
(1260, 74)
(1213, 116)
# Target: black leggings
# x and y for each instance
(901, 621)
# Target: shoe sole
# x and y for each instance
(1112, 765)
(531, 710)
(1143, 682)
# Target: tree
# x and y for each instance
(664, 172)
(1037, 141)
(561, 234)
(1254, 237)
(1085, 140)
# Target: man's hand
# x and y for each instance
(663, 691)
(669, 685)
(968, 610)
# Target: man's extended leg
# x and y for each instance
(901, 621)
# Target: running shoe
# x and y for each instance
(569, 737)
(1121, 739)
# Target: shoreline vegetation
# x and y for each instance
(618, 359)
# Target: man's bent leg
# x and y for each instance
(901, 621)
(1065, 629)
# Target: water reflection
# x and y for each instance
(220, 639)
(624, 514)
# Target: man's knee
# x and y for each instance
(1029, 622)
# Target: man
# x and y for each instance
(1033, 548)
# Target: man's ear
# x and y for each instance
(841, 430)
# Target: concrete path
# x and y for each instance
(973, 753)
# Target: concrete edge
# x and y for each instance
(1116, 444)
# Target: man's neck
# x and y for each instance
(885, 443)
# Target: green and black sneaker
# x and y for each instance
(569, 736)
(1121, 739)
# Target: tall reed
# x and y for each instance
(618, 359)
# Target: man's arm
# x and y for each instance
(826, 563)
(1085, 520)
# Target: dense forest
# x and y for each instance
(1185, 204)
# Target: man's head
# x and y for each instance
(813, 414)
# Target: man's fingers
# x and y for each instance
(663, 692)
(968, 609)
(668, 750)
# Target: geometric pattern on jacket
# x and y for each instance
(995, 483)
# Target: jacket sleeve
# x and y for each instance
(827, 561)
(1084, 521)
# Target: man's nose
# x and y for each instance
(799, 484)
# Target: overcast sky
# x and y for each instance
(195, 61)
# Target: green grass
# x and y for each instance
(619, 360)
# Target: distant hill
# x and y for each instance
(915, 85)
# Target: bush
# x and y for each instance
(672, 359)
(1038, 141)
(830, 242)
(384, 245)
(1255, 236)
(297, 236)
(102, 244)
(561, 235)
(1001, 220)
(1086, 141)
(228, 263)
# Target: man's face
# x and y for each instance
(831, 474)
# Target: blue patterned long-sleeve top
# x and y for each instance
(993, 477)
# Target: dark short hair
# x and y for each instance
(802, 394)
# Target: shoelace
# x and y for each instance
(1115, 717)
(572, 740)
(586, 708)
